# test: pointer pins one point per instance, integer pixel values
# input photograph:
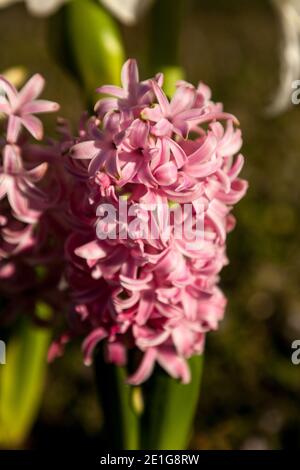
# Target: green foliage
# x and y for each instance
(22, 380)
(121, 416)
(94, 44)
(170, 408)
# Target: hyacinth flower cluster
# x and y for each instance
(138, 288)
(30, 197)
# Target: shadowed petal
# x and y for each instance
(90, 343)
(37, 173)
(13, 128)
(145, 368)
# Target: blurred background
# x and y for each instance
(250, 397)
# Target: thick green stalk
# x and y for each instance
(22, 380)
(121, 415)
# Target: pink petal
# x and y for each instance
(91, 250)
(12, 162)
(40, 106)
(236, 167)
(151, 339)
(202, 170)
(17, 201)
(84, 150)
(129, 74)
(139, 131)
(217, 218)
(34, 126)
(145, 308)
(3, 187)
(204, 151)
(166, 174)
(4, 105)
(196, 116)
(105, 105)
(111, 163)
(174, 365)
(128, 171)
(10, 91)
(135, 284)
(161, 98)
(90, 343)
(145, 368)
(162, 128)
(98, 161)
(183, 340)
(183, 99)
(116, 353)
(152, 114)
(13, 128)
(37, 173)
(31, 90)
(57, 347)
(178, 153)
(111, 90)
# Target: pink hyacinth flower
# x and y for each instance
(135, 284)
(20, 107)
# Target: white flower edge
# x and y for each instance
(289, 15)
(126, 11)
(37, 7)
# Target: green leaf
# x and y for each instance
(22, 380)
(172, 74)
(94, 43)
(170, 409)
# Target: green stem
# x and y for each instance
(22, 380)
(170, 409)
(121, 420)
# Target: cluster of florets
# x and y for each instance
(136, 285)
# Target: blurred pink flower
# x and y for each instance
(27, 221)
